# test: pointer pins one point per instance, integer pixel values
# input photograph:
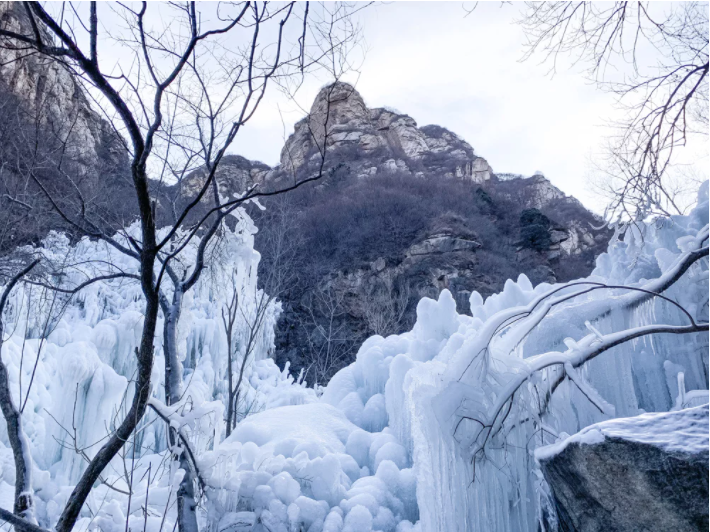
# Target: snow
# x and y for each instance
(309, 456)
(359, 519)
(685, 431)
(408, 438)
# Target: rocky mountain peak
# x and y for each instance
(338, 104)
(385, 140)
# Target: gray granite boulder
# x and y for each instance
(647, 473)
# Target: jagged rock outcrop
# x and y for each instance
(384, 140)
(51, 93)
(630, 475)
(381, 142)
(540, 192)
(49, 125)
(536, 192)
(234, 176)
(440, 243)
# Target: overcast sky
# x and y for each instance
(464, 73)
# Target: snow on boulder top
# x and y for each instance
(684, 431)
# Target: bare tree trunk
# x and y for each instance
(24, 494)
(186, 501)
(144, 355)
(235, 393)
(228, 320)
(235, 407)
(173, 367)
(230, 402)
(116, 441)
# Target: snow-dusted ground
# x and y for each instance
(393, 443)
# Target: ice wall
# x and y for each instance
(76, 355)
(438, 381)
(500, 488)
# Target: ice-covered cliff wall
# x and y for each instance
(444, 399)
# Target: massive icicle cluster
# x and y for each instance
(76, 357)
(434, 429)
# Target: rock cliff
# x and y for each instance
(50, 93)
(49, 125)
(628, 475)
(385, 141)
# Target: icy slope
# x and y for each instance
(685, 431)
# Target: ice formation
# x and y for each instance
(404, 439)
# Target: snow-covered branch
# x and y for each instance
(176, 421)
(587, 349)
(502, 333)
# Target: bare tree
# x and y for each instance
(665, 103)
(24, 493)
(330, 339)
(244, 328)
(279, 245)
(229, 319)
(178, 103)
(384, 306)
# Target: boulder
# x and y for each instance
(442, 243)
(636, 474)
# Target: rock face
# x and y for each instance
(632, 475)
(442, 243)
(50, 90)
(385, 141)
(48, 124)
(235, 175)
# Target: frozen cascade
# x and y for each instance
(86, 360)
(393, 443)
